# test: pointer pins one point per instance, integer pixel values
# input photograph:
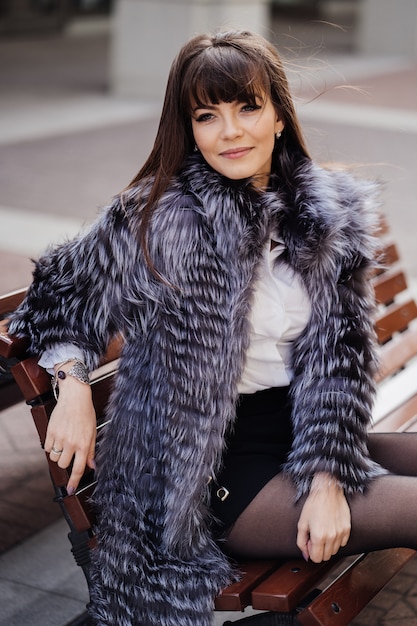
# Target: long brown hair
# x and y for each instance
(224, 67)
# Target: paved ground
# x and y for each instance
(66, 146)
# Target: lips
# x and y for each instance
(235, 153)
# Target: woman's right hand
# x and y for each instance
(325, 522)
(72, 430)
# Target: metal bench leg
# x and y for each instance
(81, 551)
(266, 619)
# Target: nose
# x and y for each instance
(231, 127)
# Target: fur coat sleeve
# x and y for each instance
(79, 289)
(331, 233)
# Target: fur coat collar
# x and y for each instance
(156, 564)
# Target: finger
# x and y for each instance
(322, 550)
(346, 535)
(55, 452)
(302, 544)
(91, 455)
(331, 548)
(304, 551)
(78, 468)
(92, 464)
(65, 457)
(315, 551)
(334, 547)
(49, 442)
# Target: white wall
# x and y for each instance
(388, 27)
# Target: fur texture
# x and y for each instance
(156, 564)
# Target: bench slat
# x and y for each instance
(238, 595)
(389, 255)
(351, 591)
(32, 379)
(396, 353)
(10, 301)
(396, 319)
(287, 586)
(388, 285)
(76, 509)
(402, 419)
(394, 392)
(10, 347)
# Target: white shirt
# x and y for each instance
(280, 312)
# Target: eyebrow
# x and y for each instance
(204, 106)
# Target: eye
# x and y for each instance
(251, 107)
(204, 117)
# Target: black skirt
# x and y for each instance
(256, 448)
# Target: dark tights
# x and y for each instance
(384, 517)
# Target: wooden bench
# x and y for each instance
(10, 393)
(291, 592)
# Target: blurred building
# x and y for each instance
(29, 17)
(146, 34)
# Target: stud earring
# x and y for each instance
(278, 134)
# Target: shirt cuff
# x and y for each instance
(58, 354)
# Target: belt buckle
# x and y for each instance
(222, 493)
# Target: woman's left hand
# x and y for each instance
(324, 524)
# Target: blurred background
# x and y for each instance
(81, 86)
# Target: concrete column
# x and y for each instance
(147, 34)
(388, 27)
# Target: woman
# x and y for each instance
(236, 270)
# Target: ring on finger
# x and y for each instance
(56, 450)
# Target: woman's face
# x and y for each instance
(237, 139)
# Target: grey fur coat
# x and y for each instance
(186, 338)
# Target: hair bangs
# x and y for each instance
(224, 74)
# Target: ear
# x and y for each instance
(279, 126)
